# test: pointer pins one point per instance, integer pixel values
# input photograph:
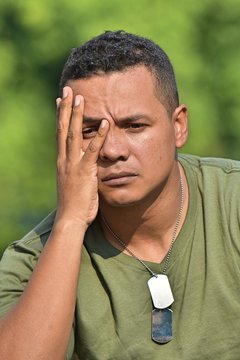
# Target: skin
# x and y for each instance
(128, 170)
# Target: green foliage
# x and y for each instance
(201, 38)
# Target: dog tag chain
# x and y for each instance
(159, 286)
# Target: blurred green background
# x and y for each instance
(201, 38)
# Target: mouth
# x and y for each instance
(117, 179)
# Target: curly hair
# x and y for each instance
(118, 51)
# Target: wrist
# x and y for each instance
(64, 219)
(64, 226)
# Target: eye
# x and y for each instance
(135, 127)
(89, 132)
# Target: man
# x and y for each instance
(141, 258)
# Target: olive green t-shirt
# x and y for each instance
(113, 307)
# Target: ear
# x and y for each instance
(180, 122)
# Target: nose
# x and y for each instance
(115, 146)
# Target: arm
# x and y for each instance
(39, 324)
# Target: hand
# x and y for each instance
(77, 183)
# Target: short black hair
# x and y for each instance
(118, 51)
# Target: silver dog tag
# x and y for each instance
(160, 290)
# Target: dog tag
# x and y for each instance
(162, 325)
(160, 290)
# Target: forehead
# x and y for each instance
(126, 81)
(118, 92)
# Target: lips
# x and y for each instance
(117, 175)
(119, 178)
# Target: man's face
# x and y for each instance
(138, 154)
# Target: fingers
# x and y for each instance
(93, 149)
(69, 129)
(74, 136)
(64, 111)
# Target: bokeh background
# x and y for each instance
(202, 39)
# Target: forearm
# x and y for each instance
(39, 325)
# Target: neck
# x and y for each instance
(147, 229)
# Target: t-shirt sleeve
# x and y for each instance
(18, 262)
(16, 267)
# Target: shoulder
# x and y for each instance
(210, 164)
(212, 172)
(216, 179)
(32, 243)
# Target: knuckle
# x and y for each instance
(92, 147)
(102, 131)
(59, 131)
(64, 105)
(60, 125)
(72, 168)
(76, 109)
(71, 135)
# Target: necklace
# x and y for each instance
(158, 284)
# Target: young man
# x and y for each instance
(141, 258)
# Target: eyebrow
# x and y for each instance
(130, 118)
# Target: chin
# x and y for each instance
(129, 198)
(119, 201)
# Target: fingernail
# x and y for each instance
(58, 100)
(77, 101)
(103, 123)
(65, 92)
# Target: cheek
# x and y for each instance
(149, 154)
(157, 151)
